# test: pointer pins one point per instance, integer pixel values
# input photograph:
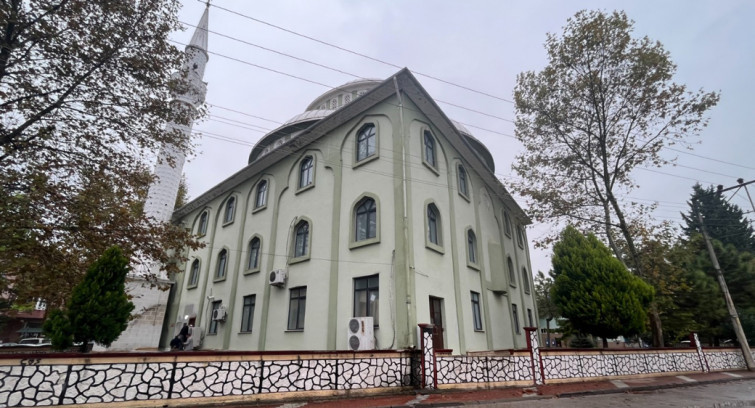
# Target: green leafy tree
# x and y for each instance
(546, 308)
(99, 309)
(603, 105)
(85, 95)
(594, 290)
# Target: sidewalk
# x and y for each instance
(449, 398)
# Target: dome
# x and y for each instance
(343, 95)
(333, 100)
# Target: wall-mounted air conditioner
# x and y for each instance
(278, 277)
(219, 314)
(361, 334)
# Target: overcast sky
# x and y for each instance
(481, 45)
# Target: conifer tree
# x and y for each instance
(99, 309)
(594, 290)
(724, 221)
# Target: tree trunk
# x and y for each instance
(655, 325)
(605, 342)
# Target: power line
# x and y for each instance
(359, 54)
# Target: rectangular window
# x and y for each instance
(247, 313)
(367, 297)
(476, 315)
(213, 329)
(296, 308)
(529, 317)
(515, 315)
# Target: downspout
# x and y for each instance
(405, 215)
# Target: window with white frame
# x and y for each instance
(429, 149)
(525, 280)
(301, 239)
(306, 172)
(194, 273)
(230, 209)
(260, 198)
(476, 314)
(520, 236)
(506, 223)
(253, 262)
(247, 313)
(366, 141)
(296, 307)
(515, 316)
(365, 220)
(367, 297)
(202, 228)
(222, 264)
(471, 247)
(511, 270)
(434, 232)
(463, 183)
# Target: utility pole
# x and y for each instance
(729, 303)
(740, 184)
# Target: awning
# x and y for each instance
(30, 330)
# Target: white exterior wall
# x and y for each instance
(334, 263)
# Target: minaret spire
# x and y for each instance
(199, 39)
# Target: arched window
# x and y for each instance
(463, 187)
(254, 254)
(365, 220)
(222, 264)
(512, 274)
(202, 229)
(306, 172)
(471, 247)
(525, 280)
(230, 208)
(430, 149)
(301, 241)
(506, 223)
(366, 142)
(433, 225)
(194, 274)
(520, 236)
(260, 199)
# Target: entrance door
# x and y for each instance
(436, 319)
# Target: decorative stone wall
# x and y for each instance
(587, 364)
(161, 376)
(74, 379)
(484, 369)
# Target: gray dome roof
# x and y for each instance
(333, 100)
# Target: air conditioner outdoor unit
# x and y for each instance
(219, 314)
(361, 334)
(278, 277)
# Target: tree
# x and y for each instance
(662, 267)
(99, 309)
(725, 222)
(734, 243)
(594, 290)
(545, 306)
(85, 94)
(603, 105)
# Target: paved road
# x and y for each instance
(731, 394)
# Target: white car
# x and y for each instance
(34, 342)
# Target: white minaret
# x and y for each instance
(143, 332)
(163, 192)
